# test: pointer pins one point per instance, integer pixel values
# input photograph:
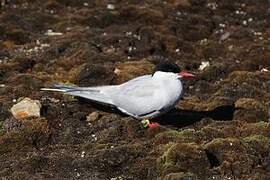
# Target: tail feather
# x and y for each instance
(94, 93)
(53, 89)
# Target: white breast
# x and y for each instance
(171, 88)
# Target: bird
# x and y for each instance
(144, 97)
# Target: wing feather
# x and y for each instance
(136, 97)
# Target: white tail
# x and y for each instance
(52, 89)
(94, 93)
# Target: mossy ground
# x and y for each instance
(220, 130)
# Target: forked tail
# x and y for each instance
(92, 93)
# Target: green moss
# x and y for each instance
(221, 142)
(169, 134)
(1, 127)
(34, 132)
(262, 125)
(256, 138)
(182, 176)
(220, 146)
(257, 144)
(182, 157)
(187, 135)
(37, 162)
(259, 128)
(164, 162)
(17, 175)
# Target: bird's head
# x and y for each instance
(171, 69)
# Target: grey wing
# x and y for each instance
(137, 97)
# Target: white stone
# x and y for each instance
(92, 116)
(225, 36)
(26, 108)
(203, 65)
(117, 71)
(83, 154)
(264, 70)
(110, 7)
(51, 33)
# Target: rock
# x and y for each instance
(204, 64)
(225, 36)
(128, 70)
(93, 116)
(51, 33)
(26, 108)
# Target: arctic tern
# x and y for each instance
(144, 97)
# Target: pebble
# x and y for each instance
(203, 65)
(92, 117)
(225, 36)
(83, 154)
(117, 71)
(264, 70)
(26, 108)
(110, 7)
(51, 33)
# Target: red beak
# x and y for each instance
(185, 74)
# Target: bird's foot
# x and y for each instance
(146, 123)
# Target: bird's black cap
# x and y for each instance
(167, 67)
